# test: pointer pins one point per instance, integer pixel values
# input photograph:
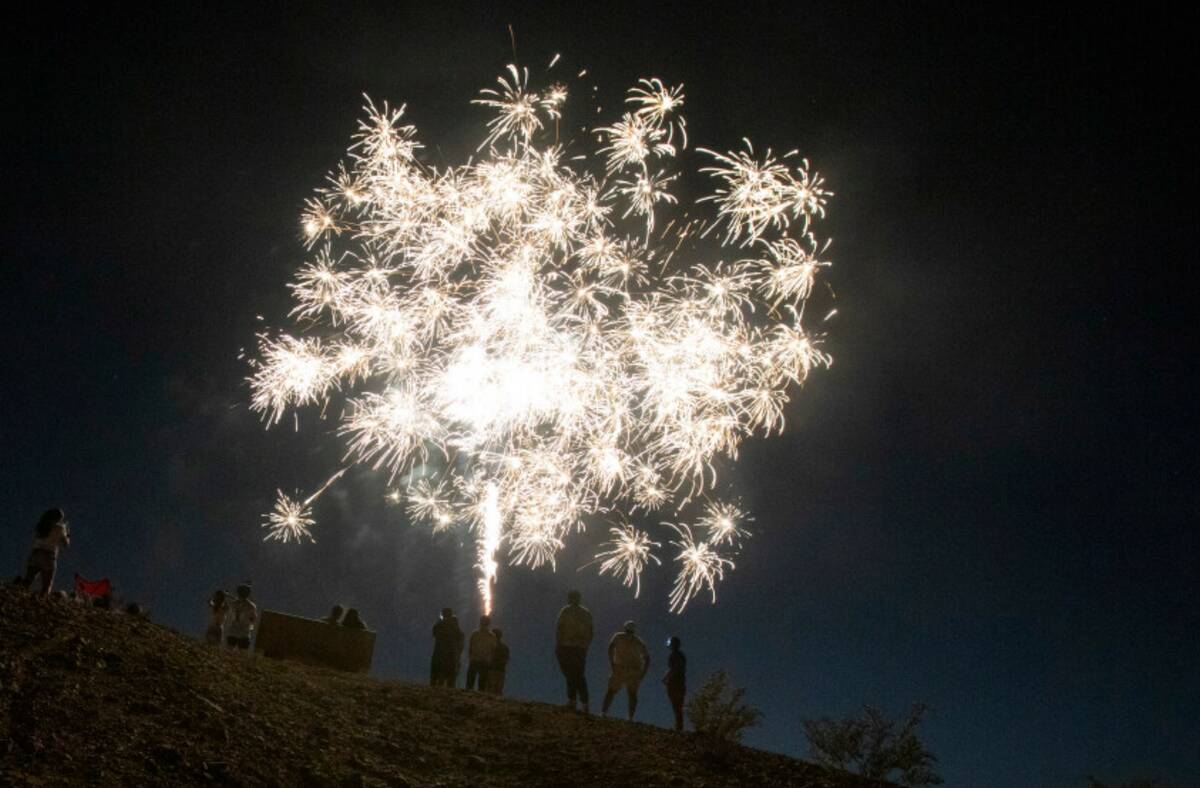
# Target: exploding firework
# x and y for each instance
(519, 342)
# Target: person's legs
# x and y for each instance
(435, 670)
(41, 563)
(631, 689)
(564, 665)
(31, 571)
(452, 675)
(580, 664)
(49, 565)
(614, 684)
(481, 674)
(675, 694)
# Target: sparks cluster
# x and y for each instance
(518, 341)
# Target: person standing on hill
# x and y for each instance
(447, 650)
(479, 653)
(499, 666)
(48, 536)
(572, 636)
(218, 611)
(243, 616)
(676, 680)
(629, 659)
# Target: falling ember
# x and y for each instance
(545, 335)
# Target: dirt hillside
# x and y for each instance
(90, 697)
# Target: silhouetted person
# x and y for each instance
(479, 653)
(243, 616)
(335, 615)
(447, 650)
(353, 620)
(499, 666)
(218, 610)
(48, 536)
(676, 680)
(572, 636)
(629, 660)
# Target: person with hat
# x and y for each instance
(629, 660)
(447, 650)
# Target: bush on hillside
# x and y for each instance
(720, 717)
(874, 746)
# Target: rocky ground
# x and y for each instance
(103, 698)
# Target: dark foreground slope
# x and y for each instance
(91, 697)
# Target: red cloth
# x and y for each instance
(92, 587)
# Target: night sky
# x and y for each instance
(988, 504)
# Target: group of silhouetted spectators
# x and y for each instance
(488, 654)
(350, 619)
(231, 622)
(628, 661)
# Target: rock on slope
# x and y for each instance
(100, 698)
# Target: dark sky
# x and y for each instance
(988, 504)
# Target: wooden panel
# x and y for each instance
(307, 640)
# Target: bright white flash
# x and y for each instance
(546, 332)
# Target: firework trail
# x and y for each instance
(525, 325)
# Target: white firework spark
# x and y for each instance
(523, 327)
(627, 555)
(700, 567)
(290, 521)
(724, 524)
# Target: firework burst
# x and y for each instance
(523, 330)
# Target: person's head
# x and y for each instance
(499, 635)
(485, 622)
(49, 519)
(336, 612)
(675, 642)
(352, 616)
(243, 591)
(630, 627)
(218, 598)
(574, 597)
(447, 613)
